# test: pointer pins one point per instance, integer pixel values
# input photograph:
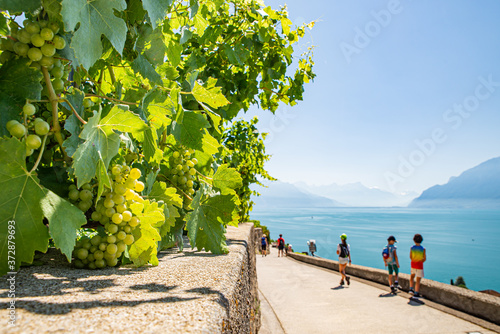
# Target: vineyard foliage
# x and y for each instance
(112, 118)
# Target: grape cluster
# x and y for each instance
(82, 198)
(39, 41)
(97, 252)
(183, 173)
(114, 213)
(20, 130)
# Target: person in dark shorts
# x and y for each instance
(392, 264)
(264, 244)
(281, 245)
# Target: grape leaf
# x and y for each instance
(169, 196)
(53, 9)
(157, 10)
(4, 28)
(95, 18)
(15, 6)
(206, 223)
(142, 66)
(191, 133)
(227, 179)
(122, 120)
(64, 220)
(144, 248)
(18, 82)
(99, 146)
(213, 96)
(25, 202)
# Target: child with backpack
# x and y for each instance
(391, 262)
(344, 252)
(418, 257)
(281, 245)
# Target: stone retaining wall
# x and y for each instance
(188, 292)
(472, 302)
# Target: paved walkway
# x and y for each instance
(299, 298)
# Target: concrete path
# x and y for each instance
(300, 298)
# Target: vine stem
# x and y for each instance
(56, 127)
(39, 154)
(74, 111)
(111, 99)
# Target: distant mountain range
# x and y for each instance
(356, 194)
(285, 195)
(478, 187)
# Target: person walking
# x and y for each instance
(281, 245)
(392, 264)
(264, 244)
(344, 253)
(418, 257)
(312, 246)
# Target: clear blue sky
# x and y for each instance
(413, 76)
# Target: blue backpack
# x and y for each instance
(385, 253)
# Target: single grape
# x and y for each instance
(117, 218)
(43, 23)
(47, 34)
(74, 195)
(118, 199)
(111, 239)
(86, 195)
(126, 216)
(110, 212)
(87, 186)
(98, 255)
(139, 186)
(54, 27)
(79, 264)
(37, 40)
(91, 265)
(57, 72)
(108, 203)
(59, 42)
(23, 36)
(29, 151)
(58, 84)
(90, 257)
(17, 130)
(35, 54)
(87, 103)
(21, 49)
(96, 240)
(189, 183)
(134, 221)
(129, 239)
(127, 229)
(82, 253)
(11, 123)
(29, 109)
(41, 127)
(120, 189)
(48, 50)
(112, 262)
(100, 263)
(130, 183)
(120, 208)
(111, 248)
(135, 173)
(112, 228)
(84, 206)
(192, 172)
(121, 235)
(194, 160)
(121, 247)
(104, 219)
(32, 27)
(175, 154)
(102, 246)
(129, 194)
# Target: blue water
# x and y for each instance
(458, 242)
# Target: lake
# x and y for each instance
(459, 242)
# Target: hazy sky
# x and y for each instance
(407, 94)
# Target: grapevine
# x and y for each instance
(113, 116)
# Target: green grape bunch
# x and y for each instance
(22, 130)
(38, 40)
(82, 198)
(183, 174)
(97, 252)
